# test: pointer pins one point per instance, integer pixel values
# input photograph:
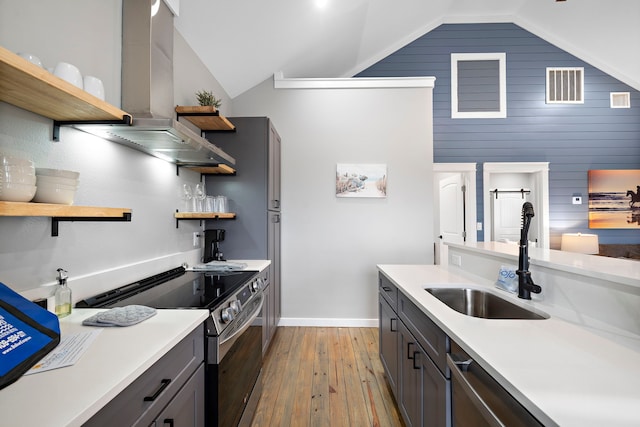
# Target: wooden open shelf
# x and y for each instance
(33, 88)
(202, 216)
(50, 209)
(205, 215)
(220, 169)
(60, 213)
(205, 118)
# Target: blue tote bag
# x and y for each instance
(27, 333)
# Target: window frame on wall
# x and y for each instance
(501, 112)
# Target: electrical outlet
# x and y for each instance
(479, 226)
(576, 200)
(196, 239)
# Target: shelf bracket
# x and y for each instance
(126, 217)
(126, 120)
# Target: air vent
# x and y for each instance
(620, 100)
(565, 85)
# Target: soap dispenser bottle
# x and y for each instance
(63, 295)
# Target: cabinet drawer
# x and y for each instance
(388, 290)
(432, 339)
(142, 400)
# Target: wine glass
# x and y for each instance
(187, 198)
(200, 194)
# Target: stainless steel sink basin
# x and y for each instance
(483, 304)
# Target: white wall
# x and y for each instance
(330, 246)
(84, 33)
(97, 255)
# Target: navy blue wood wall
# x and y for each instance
(572, 138)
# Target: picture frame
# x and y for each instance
(361, 180)
(614, 198)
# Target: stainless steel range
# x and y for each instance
(233, 334)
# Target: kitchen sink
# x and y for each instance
(483, 304)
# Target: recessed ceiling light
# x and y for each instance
(321, 4)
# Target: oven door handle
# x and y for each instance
(225, 344)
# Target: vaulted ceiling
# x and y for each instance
(244, 42)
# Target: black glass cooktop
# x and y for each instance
(175, 288)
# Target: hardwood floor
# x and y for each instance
(325, 377)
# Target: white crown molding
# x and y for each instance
(280, 82)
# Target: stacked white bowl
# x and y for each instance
(17, 178)
(56, 186)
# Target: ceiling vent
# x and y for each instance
(565, 85)
(620, 100)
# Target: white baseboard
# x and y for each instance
(318, 322)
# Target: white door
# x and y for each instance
(452, 228)
(507, 216)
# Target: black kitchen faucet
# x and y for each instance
(525, 282)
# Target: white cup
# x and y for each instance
(31, 58)
(94, 86)
(70, 73)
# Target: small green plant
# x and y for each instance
(207, 98)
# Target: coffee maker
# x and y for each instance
(212, 238)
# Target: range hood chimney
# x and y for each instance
(147, 91)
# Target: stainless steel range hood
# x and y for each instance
(147, 91)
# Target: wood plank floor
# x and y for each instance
(325, 377)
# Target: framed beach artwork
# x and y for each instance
(614, 198)
(361, 180)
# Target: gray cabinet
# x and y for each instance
(253, 193)
(388, 331)
(187, 407)
(409, 394)
(417, 372)
(172, 389)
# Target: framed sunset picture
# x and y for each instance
(614, 198)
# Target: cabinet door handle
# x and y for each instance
(415, 357)
(386, 289)
(391, 324)
(163, 384)
(409, 353)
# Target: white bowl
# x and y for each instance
(58, 172)
(50, 185)
(70, 73)
(7, 170)
(52, 180)
(12, 160)
(18, 178)
(57, 194)
(94, 86)
(11, 192)
(31, 58)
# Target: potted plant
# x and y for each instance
(205, 116)
(207, 98)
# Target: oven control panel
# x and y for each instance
(230, 309)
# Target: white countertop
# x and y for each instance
(70, 396)
(563, 374)
(606, 268)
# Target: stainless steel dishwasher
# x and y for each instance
(477, 398)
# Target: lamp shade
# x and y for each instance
(578, 242)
